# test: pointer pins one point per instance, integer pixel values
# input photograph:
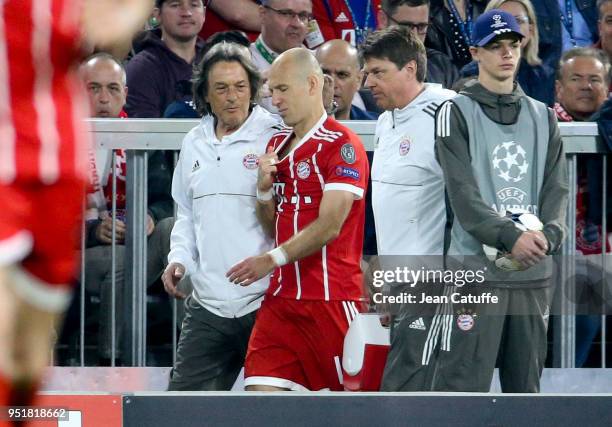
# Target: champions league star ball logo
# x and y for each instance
(510, 161)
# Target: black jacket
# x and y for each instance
(440, 69)
(441, 33)
(153, 74)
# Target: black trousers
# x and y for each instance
(454, 346)
(211, 349)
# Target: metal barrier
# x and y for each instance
(137, 136)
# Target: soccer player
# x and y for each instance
(42, 169)
(406, 178)
(311, 189)
(498, 149)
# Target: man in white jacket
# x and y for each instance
(407, 185)
(214, 187)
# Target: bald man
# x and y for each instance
(341, 61)
(310, 191)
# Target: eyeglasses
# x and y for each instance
(288, 14)
(522, 19)
(420, 27)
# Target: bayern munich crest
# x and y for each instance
(303, 170)
(465, 322)
(404, 146)
(250, 161)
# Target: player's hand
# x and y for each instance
(250, 270)
(171, 276)
(104, 231)
(530, 248)
(267, 170)
(106, 23)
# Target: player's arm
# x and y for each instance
(333, 211)
(108, 23)
(554, 192)
(469, 208)
(265, 210)
(242, 14)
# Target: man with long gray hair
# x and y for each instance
(214, 186)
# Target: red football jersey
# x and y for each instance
(41, 101)
(329, 157)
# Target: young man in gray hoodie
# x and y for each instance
(499, 150)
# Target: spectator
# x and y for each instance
(582, 88)
(479, 134)
(316, 287)
(284, 25)
(450, 28)
(105, 79)
(226, 15)
(414, 15)
(604, 27)
(166, 58)
(340, 60)
(181, 109)
(406, 177)
(349, 20)
(553, 23)
(582, 83)
(214, 187)
(535, 78)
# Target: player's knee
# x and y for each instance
(264, 388)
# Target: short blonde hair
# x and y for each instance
(530, 52)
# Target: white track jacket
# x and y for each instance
(214, 187)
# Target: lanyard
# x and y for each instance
(361, 31)
(567, 19)
(267, 55)
(464, 26)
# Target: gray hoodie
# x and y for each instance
(477, 217)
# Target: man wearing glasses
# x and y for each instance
(284, 25)
(414, 16)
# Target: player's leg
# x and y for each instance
(42, 282)
(265, 388)
(273, 356)
(469, 342)
(34, 337)
(15, 245)
(7, 335)
(524, 347)
(414, 337)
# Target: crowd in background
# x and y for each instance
(565, 63)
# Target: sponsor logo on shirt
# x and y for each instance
(341, 18)
(250, 161)
(196, 166)
(303, 170)
(347, 152)
(347, 172)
